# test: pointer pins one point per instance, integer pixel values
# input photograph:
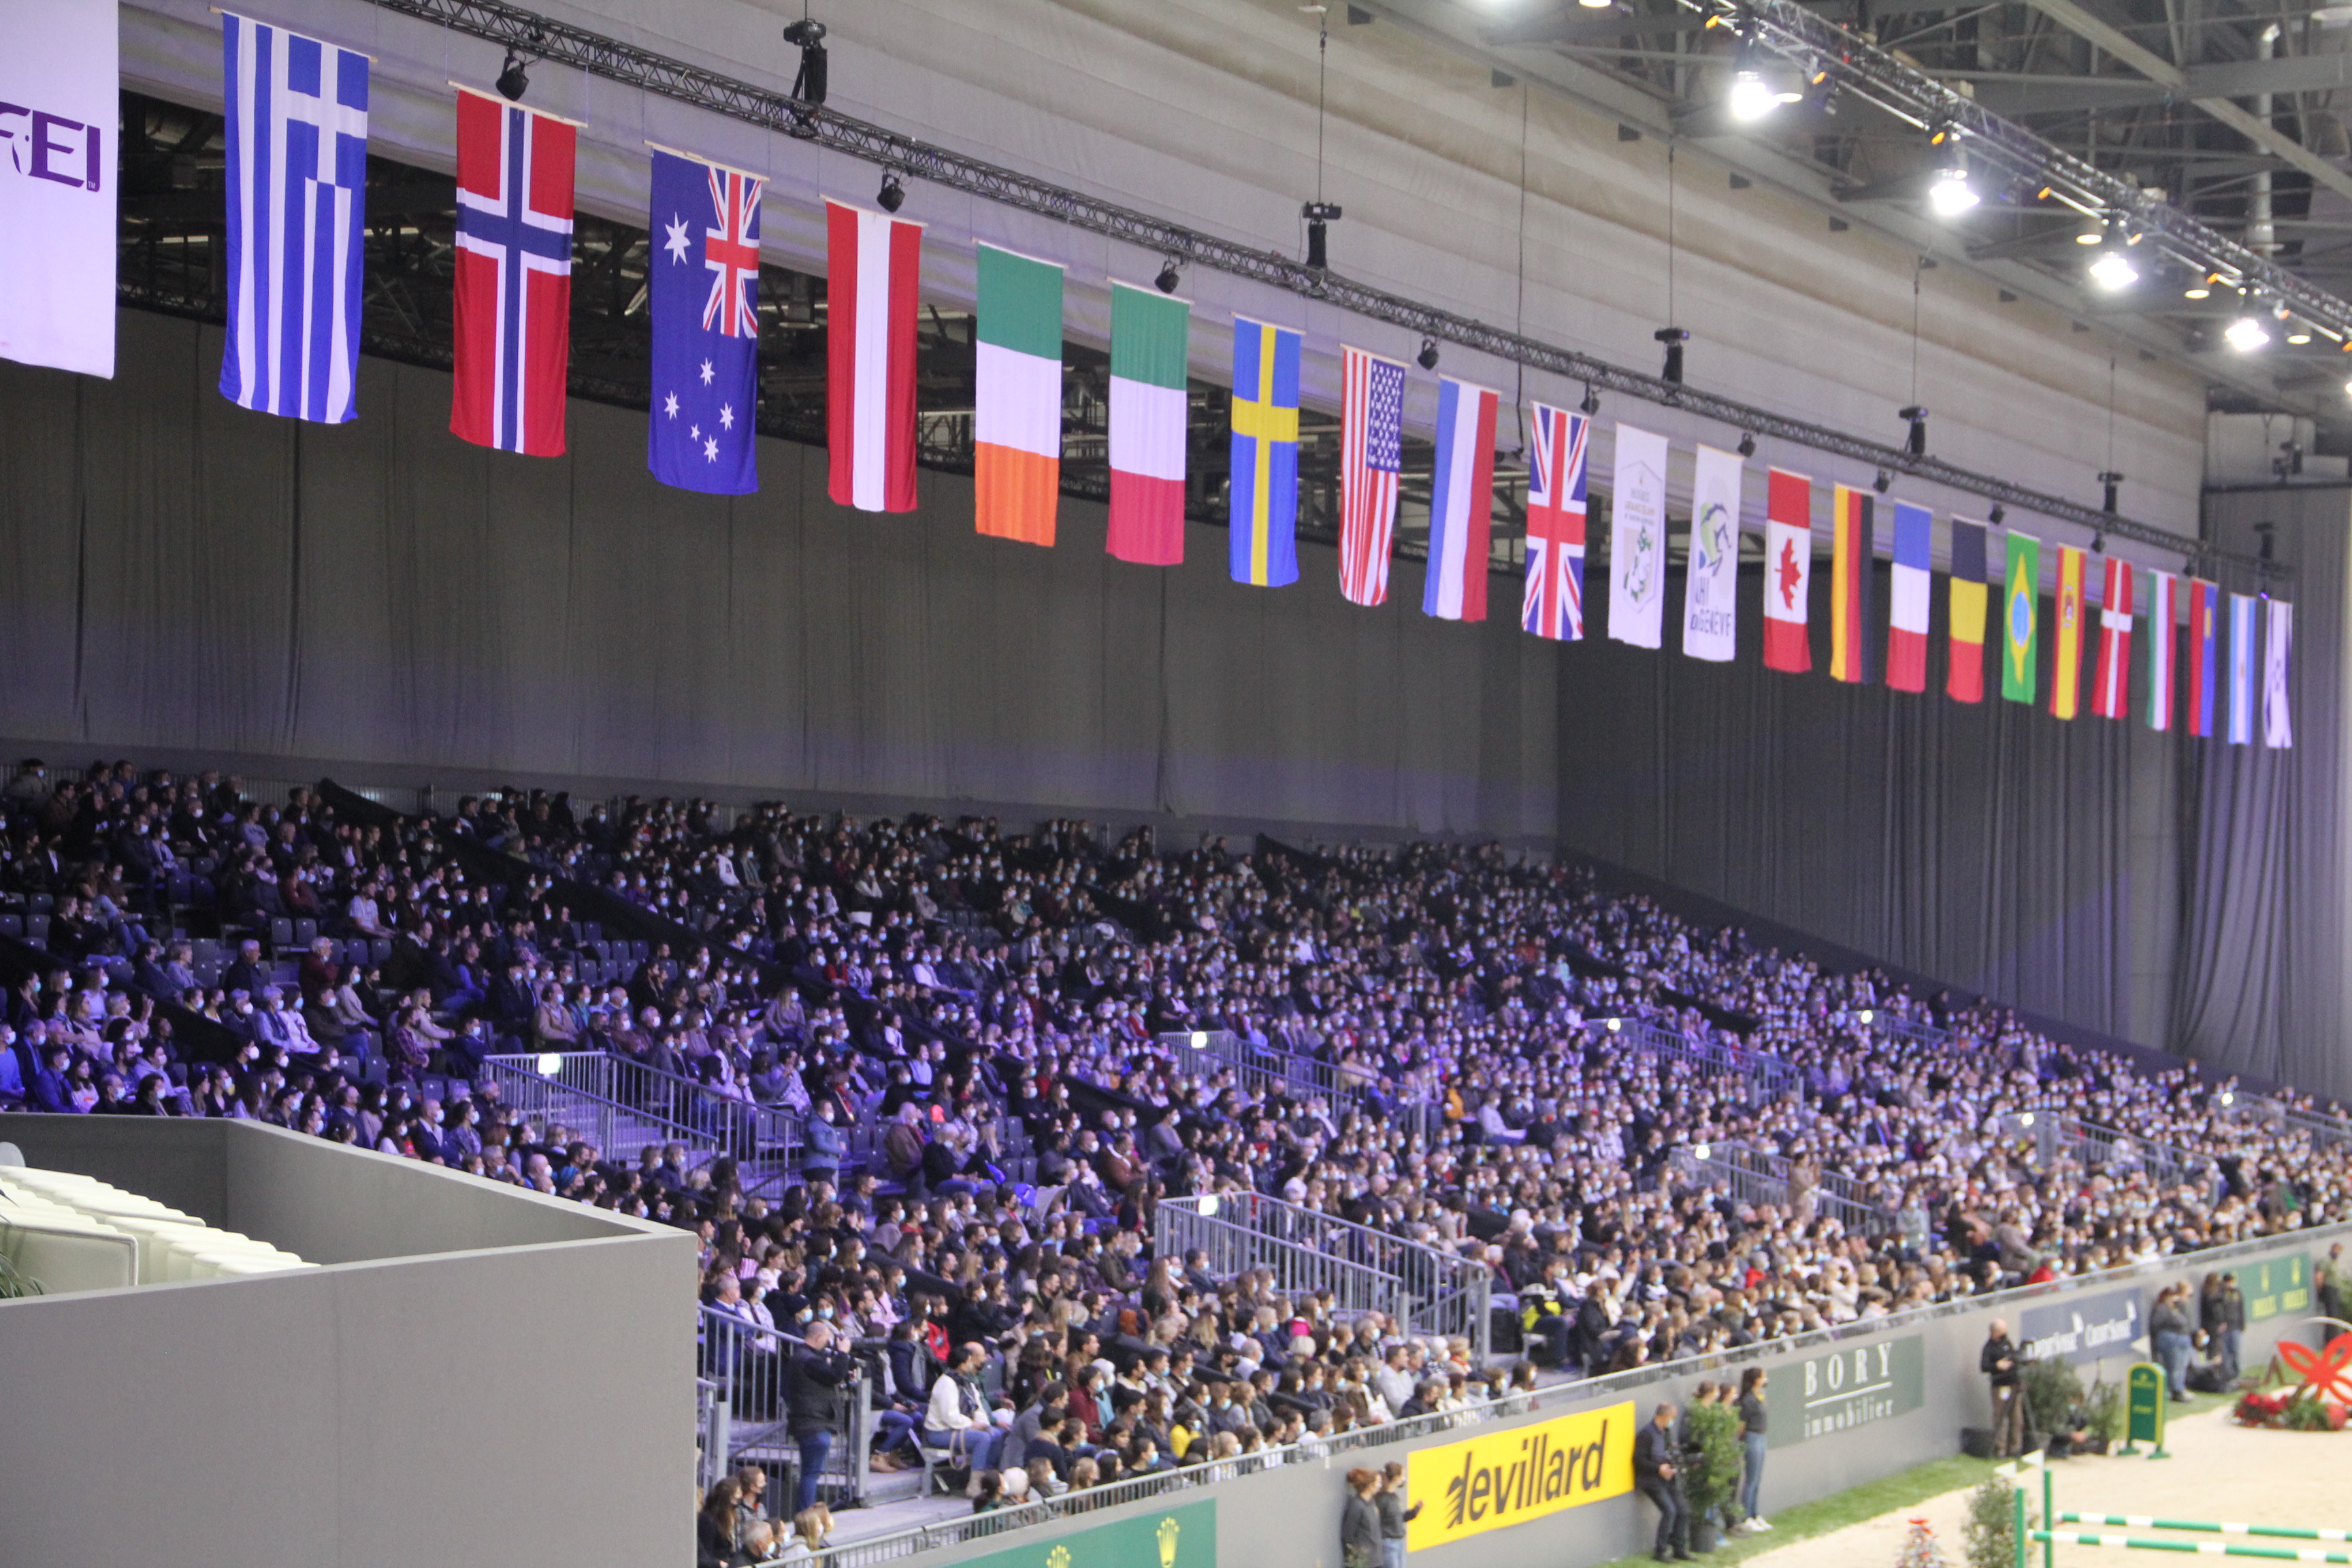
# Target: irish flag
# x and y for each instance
(1149, 332)
(1016, 419)
(872, 263)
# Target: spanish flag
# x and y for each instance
(1964, 681)
(2017, 611)
(2066, 655)
(1850, 647)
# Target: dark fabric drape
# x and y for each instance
(2263, 985)
(1989, 845)
(176, 574)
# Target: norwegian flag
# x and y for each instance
(2111, 685)
(514, 275)
(1554, 605)
(1372, 451)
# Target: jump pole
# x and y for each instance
(2205, 1548)
(2148, 1521)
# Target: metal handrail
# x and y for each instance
(1760, 1176)
(745, 1364)
(2056, 1131)
(620, 1092)
(1768, 1076)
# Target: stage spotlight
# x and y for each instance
(1167, 280)
(1746, 444)
(1428, 355)
(2113, 268)
(1761, 83)
(513, 81)
(1590, 407)
(892, 195)
(809, 39)
(1751, 99)
(1951, 195)
(2099, 541)
(1881, 482)
(1318, 215)
(1997, 512)
(2347, 389)
(1915, 417)
(2250, 332)
(1674, 338)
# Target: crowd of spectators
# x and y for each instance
(987, 1038)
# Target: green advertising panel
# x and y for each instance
(1839, 1390)
(1182, 1537)
(2280, 1287)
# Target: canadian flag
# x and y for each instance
(1788, 571)
(873, 261)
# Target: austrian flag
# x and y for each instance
(514, 275)
(872, 261)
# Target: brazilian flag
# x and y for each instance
(2017, 616)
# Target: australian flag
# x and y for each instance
(296, 124)
(705, 288)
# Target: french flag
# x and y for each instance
(514, 275)
(1914, 585)
(1461, 501)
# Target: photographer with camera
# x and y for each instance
(818, 1383)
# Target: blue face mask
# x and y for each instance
(825, 1312)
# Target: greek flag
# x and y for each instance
(296, 186)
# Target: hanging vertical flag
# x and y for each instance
(2278, 728)
(2019, 614)
(1016, 422)
(513, 327)
(702, 293)
(2204, 663)
(60, 99)
(2163, 645)
(873, 264)
(297, 173)
(1637, 540)
(2066, 642)
(1371, 455)
(1150, 340)
(1264, 546)
(1912, 586)
(1852, 514)
(1711, 588)
(2241, 670)
(1461, 503)
(1788, 571)
(1964, 678)
(2111, 681)
(1554, 603)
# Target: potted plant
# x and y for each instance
(2103, 1408)
(1710, 1472)
(1988, 1540)
(2052, 1391)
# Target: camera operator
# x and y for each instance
(818, 1382)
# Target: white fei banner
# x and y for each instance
(59, 105)
(1710, 621)
(1637, 540)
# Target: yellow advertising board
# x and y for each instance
(1509, 1478)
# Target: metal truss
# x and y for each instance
(564, 44)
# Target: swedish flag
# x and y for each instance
(1265, 484)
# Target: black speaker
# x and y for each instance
(1976, 1442)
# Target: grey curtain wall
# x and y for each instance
(176, 574)
(1989, 846)
(2263, 984)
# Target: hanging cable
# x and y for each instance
(1319, 213)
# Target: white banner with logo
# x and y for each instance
(59, 106)
(1710, 621)
(1637, 540)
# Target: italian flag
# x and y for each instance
(872, 263)
(1017, 416)
(1148, 409)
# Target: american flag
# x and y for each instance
(1371, 441)
(1554, 606)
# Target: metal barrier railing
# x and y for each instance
(1768, 1078)
(2325, 1131)
(2061, 1135)
(1426, 1290)
(1276, 1070)
(713, 1432)
(745, 1364)
(624, 1106)
(1759, 1176)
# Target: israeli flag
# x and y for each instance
(297, 189)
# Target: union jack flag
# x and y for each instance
(731, 252)
(514, 276)
(1554, 605)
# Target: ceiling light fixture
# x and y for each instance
(2113, 268)
(1167, 280)
(2251, 331)
(513, 81)
(892, 195)
(1951, 195)
(1427, 358)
